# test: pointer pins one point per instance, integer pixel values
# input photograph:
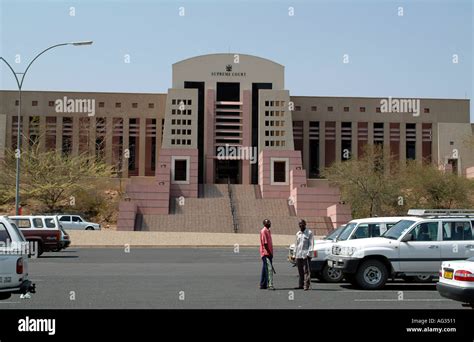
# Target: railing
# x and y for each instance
(235, 221)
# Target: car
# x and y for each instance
(13, 261)
(76, 222)
(414, 247)
(43, 231)
(355, 229)
(456, 281)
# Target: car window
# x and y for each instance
(4, 236)
(365, 230)
(427, 231)
(38, 223)
(347, 231)
(49, 222)
(76, 219)
(361, 232)
(18, 232)
(23, 223)
(457, 231)
(398, 229)
(390, 225)
(65, 219)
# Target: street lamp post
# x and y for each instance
(19, 82)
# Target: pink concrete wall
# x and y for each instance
(126, 216)
(339, 214)
(470, 172)
(209, 135)
(246, 133)
(277, 191)
(186, 190)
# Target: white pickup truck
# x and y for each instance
(13, 261)
(413, 247)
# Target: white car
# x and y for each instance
(456, 281)
(414, 247)
(355, 229)
(13, 261)
(76, 222)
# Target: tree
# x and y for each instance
(50, 177)
(376, 186)
(365, 183)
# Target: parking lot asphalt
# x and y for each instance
(197, 278)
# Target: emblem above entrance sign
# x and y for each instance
(228, 72)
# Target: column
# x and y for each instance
(306, 154)
(59, 134)
(322, 145)
(419, 140)
(338, 141)
(355, 141)
(142, 147)
(126, 143)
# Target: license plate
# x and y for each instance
(330, 263)
(448, 275)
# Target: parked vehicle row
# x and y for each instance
(415, 246)
(13, 261)
(355, 229)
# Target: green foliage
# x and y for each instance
(52, 179)
(376, 186)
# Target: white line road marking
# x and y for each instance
(404, 300)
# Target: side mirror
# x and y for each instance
(408, 237)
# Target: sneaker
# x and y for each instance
(271, 288)
(307, 289)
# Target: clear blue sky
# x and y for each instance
(390, 55)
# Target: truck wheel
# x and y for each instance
(331, 275)
(40, 250)
(4, 296)
(372, 275)
(90, 228)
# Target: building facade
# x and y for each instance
(229, 119)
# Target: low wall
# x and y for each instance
(107, 238)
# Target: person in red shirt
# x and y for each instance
(266, 253)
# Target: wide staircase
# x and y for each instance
(225, 208)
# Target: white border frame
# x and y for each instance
(188, 167)
(287, 170)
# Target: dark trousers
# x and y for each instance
(304, 272)
(266, 278)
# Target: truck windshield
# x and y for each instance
(346, 232)
(335, 233)
(398, 230)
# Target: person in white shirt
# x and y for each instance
(303, 252)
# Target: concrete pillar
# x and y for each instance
(75, 135)
(42, 132)
(386, 138)
(338, 141)
(355, 141)
(370, 133)
(246, 134)
(126, 145)
(322, 145)
(306, 153)
(92, 135)
(434, 144)
(25, 130)
(403, 143)
(109, 133)
(59, 134)
(3, 134)
(142, 147)
(419, 140)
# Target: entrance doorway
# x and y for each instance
(228, 170)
